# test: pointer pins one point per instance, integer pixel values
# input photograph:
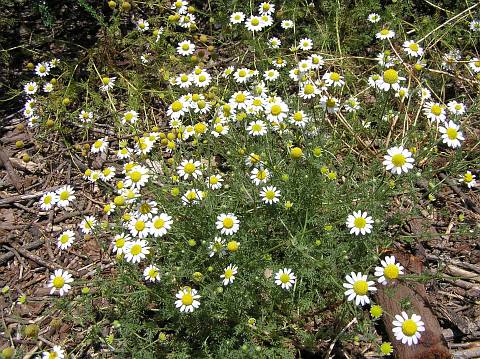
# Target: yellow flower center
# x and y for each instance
(384, 32)
(254, 21)
(47, 200)
(452, 133)
(159, 223)
(256, 127)
(213, 180)
(218, 128)
(191, 196)
(184, 78)
(360, 287)
(270, 195)
(276, 109)
(414, 47)
(284, 278)
(242, 73)
(308, 89)
(202, 78)
(64, 238)
(136, 249)
(153, 273)
(64, 195)
(140, 226)
(391, 271)
(297, 116)
(135, 176)
(477, 63)
(129, 116)
(409, 327)
(468, 177)
(330, 102)
(42, 69)
(228, 273)
(106, 80)
(119, 243)
(187, 299)
(200, 128)
(232, 246)
(189, 168)
(240, 98)
(254, 158)
(58, 282)
(177, 106)
(257, 102)
(334, 76)
(185, 47)
(398, 160)
(360, 222)
(390, 76)
(145, 208)
(436, 110)
(52, 355)
(228, 223)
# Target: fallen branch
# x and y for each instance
(16, 181)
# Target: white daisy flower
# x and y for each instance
(185, 48)
(434, 111)
(100, 145)
(177, 109)
(187, 300)
(373, 18)
(456, 108)
(308, 91)
(385, 34)
(412, 48)
(137, 177)
(120, 242)
(202, 79)
(242, 75)
(389, 271)
(159, 225)
(151, 273)
(65, 239)
(60, 280)
(56, 353)
(398, 160)
(305, 44)
(130, 116)
(271, 75)
(333, 78)
(65, 195)
(390, 80)
(192, 196)
(330, 104)
(285, 278)
(139, 227)
(237, 17)
(257, 128)
(254, 23)
(287, 24)
(474, 64)
(276, 111)
(189, 168)
(214, 182)
(229, 274)
(299, 119)
(451, 134)
(266, 8)
(469, 179)
(87, 224)
(30, 88)
(358, 287)
(136, 250)
(217, 246)
(107, 83)
(48, 87)
(359, 223)
(475, 25)
(142, 25)
(227, 223)
(316, 61)
(48, 200)
(270, 195)
(407, 329)
(42, 69)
